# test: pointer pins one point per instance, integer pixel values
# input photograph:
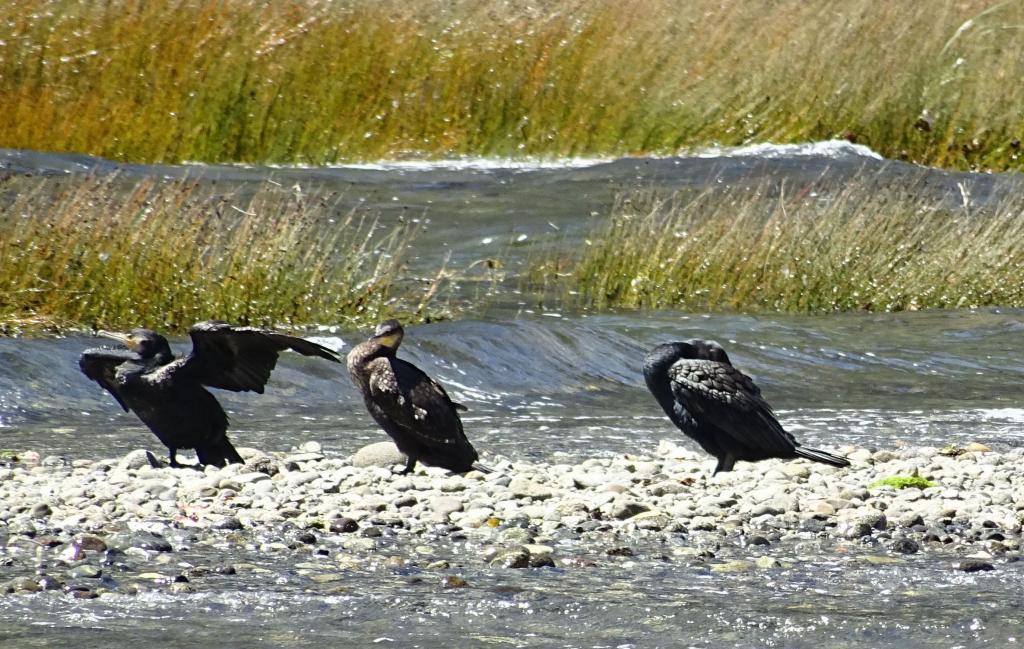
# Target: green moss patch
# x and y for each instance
(903, 482)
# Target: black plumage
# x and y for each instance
(410, 406)
(169, 395)
(719, 406)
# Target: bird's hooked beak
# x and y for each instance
(390, 339)
(128, 340)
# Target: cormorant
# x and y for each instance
(719, 406)
(410, 406)
(168, 394)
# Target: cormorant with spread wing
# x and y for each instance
(410, 406)
(168, 394)
(719, 406)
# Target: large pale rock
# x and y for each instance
(382, 454)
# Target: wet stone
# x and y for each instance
(974, 565)
(327, 578)
(306, 537)
(905, 546)
(511, 558)
(454, 581)
(621, 551)
(732, 566)
(151, 541)
(516, 536)
(91, 543)
(86, 572)
(344, 525)
(22, 585)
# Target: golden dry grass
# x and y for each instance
(857, 249)
(242, 80)
(117, 254)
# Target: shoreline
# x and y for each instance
(91, 528)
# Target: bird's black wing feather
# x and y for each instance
(420, 404)
(721, 396)
(239, 358)
(100, 366)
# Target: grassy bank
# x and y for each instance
(166, 255)
(760, 250)
(246, 80)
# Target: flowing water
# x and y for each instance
(545, 386)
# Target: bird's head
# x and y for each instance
(389, 334)
(144, 342)
(706, 350)
(663, 356)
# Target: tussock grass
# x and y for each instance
(310, 81)
(165, 255)
(755, 250)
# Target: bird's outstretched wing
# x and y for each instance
(421, 405)
(238, 358)
(720, 396)
(100, 366)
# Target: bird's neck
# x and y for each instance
(660, 385)
(159, 359)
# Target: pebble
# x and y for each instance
(82, 520)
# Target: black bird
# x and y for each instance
(168, 394)
(719, 406)
(410, 406)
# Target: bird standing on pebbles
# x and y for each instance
(410, 406)
(168, 394)
(719, 406)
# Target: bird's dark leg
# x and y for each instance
(725, 463)
(410, 464)
(173, 456)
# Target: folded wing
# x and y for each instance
(421, 405)
(720, 396)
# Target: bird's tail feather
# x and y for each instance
(821, 456)
(218, 453)
(481, 468)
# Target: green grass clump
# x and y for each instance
(903, 482)
(858, 249)
(113, 254)
(248, 80)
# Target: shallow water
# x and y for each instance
(563, 387)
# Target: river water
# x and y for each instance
(566, 386)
